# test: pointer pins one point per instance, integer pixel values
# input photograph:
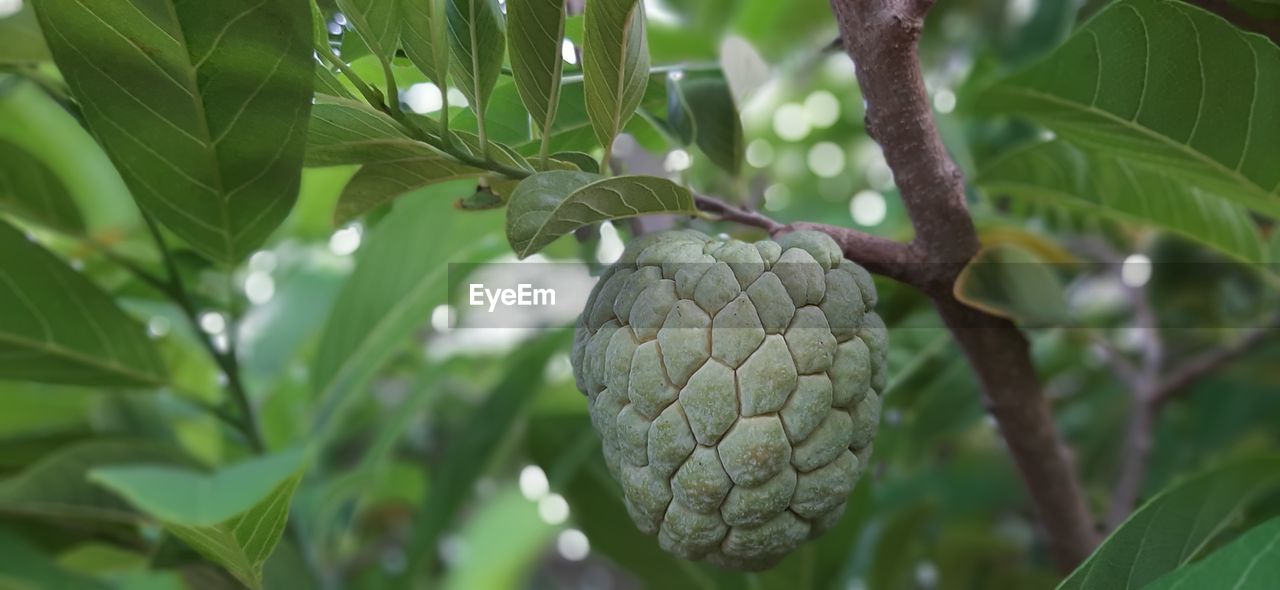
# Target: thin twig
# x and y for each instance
(1193, 369)
(226, 363)
(727, 212)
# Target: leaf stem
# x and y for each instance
(453, 150)
(225, 360)
(371, 95)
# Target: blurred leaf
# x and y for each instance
(29, 189)
(474, 444)
(712, 121)
(482, 199)
(422, 36)
(40, 126)
(274, 335)
(391, 294)
(477, 39)
(1251, 562)
(833, 549)
(744, 69)
(896, 550)
(537, 29)
(1012, 282)
(58, 487)
(1062, 175)
(513, 536)
(188, 141)
(32, 410)
(243, 543)
(185, 497)
(348, 131)
(1175, 527)
(101, 558)
(24, 566)
(378, 24)
(377, 184)
(776, 28)
(20, 38)
(60, 328)
(1179, 97)
(548, 205)
(595, 502)
(615, 65)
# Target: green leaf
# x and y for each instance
(615, 65)
(584, 162)
(57, 485)
(513, 536)
(29, 189)
(477, 441)
(1251, 562)
(377, 184)
(548, 205)
(20, 38)
(1013, 282)
(710, 118)
(25, 566)
(243, 543)
(188, 138)
(505, 118)
(327, 83)
(597, 507)
(391, 294)
(537, 32)
(423, 37)
(378, 24)
(477, 39)
(896, 549)
(1175, 526)
(44, 129)
(61, 328)
(1168, 85)
(744, 68)
(1059, 174)
(182, 496)
(347, 131)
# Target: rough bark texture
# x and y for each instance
(881, 38)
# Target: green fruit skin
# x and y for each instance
(736, 389)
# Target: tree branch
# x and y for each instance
(1195, 368)
(881, 37)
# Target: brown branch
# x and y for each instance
(1194, 369)
(881, 37)
(728, 212)
(879, 255)
(1149, 392)
(884, 36)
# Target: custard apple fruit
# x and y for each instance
(736, 388)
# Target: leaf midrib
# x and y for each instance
(202, 115)
(1141, 130)
(55, 349)
(1075, 202)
